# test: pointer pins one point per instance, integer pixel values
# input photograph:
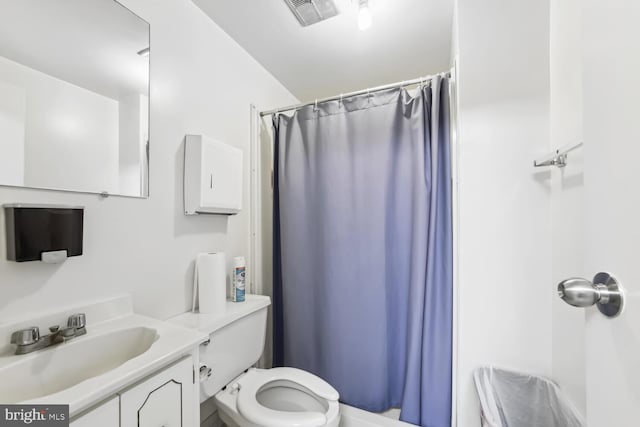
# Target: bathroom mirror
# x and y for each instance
(74, 96)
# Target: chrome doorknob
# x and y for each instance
(581, 292)
(605, 292)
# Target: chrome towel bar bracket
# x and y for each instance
(557, 158)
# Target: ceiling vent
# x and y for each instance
(309, 12)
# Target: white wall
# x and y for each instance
(13, 102)
(504, 270)
(567, 197)
(264, 155)
(201, 82)
(70, 133)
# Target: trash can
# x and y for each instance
(514, 399)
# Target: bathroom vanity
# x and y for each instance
(163, 399)
(127, 370)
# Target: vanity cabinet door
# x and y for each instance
(164, 400)
(104, 415)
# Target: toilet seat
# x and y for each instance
(255, 380)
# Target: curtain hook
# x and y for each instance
(340, 102)
(368, 96)
(315, 106)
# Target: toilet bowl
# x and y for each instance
(247, 397)
(278, 397)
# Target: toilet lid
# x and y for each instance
(253, 411)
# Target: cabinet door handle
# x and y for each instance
(210, 186)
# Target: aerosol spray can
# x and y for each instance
(238, 279)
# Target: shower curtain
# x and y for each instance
(363, 249)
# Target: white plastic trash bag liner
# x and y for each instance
(513, 399)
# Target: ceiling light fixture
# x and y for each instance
(144, 52)
(364, 15)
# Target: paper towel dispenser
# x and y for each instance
(212, 177)
(48, 233)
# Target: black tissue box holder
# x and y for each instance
(48, 233)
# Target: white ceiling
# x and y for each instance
(408, 39)
(90, 43)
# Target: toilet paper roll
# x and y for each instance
(211, 280)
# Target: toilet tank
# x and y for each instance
(236, 340)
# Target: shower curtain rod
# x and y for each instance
(359, 92)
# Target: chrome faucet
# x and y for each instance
(29, 340)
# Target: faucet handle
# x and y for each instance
(26, 336)
(77, 321)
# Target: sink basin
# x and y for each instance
(58, 368)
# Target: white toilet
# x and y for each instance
(249, 397)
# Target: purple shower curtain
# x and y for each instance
(363, 249)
